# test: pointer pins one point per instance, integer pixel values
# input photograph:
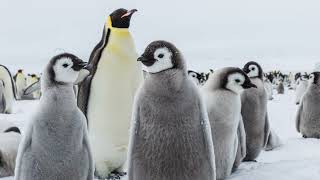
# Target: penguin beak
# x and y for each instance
(248, 84)
(145, 61)
(79, 65)
(129, 13)
(246, 70)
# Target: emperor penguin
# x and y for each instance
(269, 88)
(308, 115)
(195, 77)
(106, 96)
(9, 143)
(9, 91)
(2, 98)
(170, 132)
(21, 83)
(301, 88)
(222, 95)
(55, 144)
(280, 87)
(254, 112)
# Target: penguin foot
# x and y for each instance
(246, 160)
(114, 175)
(304, 136)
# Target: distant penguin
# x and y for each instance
(280, 88)
(55, 143)
(21, 83)
(274, 141)
(301, 88)
(2, 97)
(170, 132)
(34, 79)
(194, 76)
(222, 94)
(254, 112)
(308, 115)
(9, 143)
(106, 96)
(9, 89)
(269, 88)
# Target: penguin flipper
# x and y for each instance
(206, 129)
(83, 95)
(298, 116)
(24, 145)
(266, 130)
(4, 104)
(32, 88)
(242, 148)
(134, 130)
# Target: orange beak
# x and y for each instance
(129, 13)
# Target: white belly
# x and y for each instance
(110, 106)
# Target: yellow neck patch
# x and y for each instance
(109, 25)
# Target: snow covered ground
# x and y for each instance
(297, 159)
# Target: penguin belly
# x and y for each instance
(8, 93)
(21, 85)
(109, 109)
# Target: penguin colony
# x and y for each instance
(157, 121)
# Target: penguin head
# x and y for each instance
(20, 71)
(304, 77)
(194, 76)
(236, 80)
(121, 18)
(160, 56)
(64, 68)
(253, 70)
(314, 78)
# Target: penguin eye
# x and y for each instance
(237, 80)
(253, 69)
(161, 55)
(65, 65)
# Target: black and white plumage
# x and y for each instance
(9, 89)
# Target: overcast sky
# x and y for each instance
(34, 30)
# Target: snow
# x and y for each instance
(296, 159)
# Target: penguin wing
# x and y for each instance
(206, 130)
(266, 130)
(298, 116)
(24, 145)
(242, 138)
(134, 130)
(32, 88)
(3, 103)
(83, 94)
(88, 148)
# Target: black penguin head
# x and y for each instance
(253, 70)
(314, 78)
(64, 68)
(121, 18)
(20, 71)
(160, 56)
(235, 80)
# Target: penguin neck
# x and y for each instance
(61, 94)
(168, 81)
(120, 40)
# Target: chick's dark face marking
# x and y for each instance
(314, 78)
(121, 18)
(253, 70)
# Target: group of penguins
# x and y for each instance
(145, 116)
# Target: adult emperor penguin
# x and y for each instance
(106, 96)
(302, 87)
(308, 115)
(55, 144)
(2, 98)
(9, 89)
(254, 112)
(21, 83)
(222, 94)
(171, 135)
(280, 87)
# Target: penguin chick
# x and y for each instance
(222, 94)
(170, 132)
(307, 119)
(9, 143)
(254, 112)
(55, 143)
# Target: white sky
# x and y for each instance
(34, 30)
